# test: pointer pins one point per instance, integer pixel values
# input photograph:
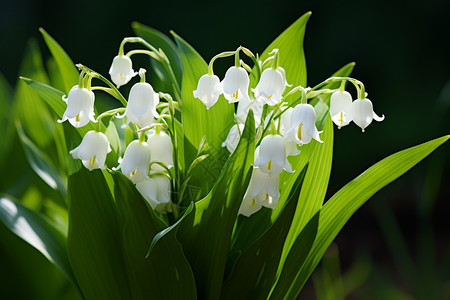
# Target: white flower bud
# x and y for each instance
(156, 190)
(302, 125)
(363, 114)
(235, 84)
(340, 108)
(136, 161)
(270, 87)
(161, 149)
(141, 107)
(121, 70)
(270, 156)
(93, 150)
(208, 90)
(80, 107)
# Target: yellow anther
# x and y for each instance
(341, 120)
(92, 160)
(133, 173)
(269, 96)
(235, 94)
(299, 131)
(253, 201)
(77, 118)
(121, 75)
(269, 165)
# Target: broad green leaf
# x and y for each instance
(36, 119)
(205, 235)
(41, 164)
(37, 231)
(315, 184)
(197, 121)
(27, 274)
(291, 53)
(257, 266)
(318, 175)
(95, 238)
(342, 205)
(299, 252)
(165, 274)
(52, 96)
(66, 67)
(160, 40)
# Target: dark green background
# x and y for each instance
(402, 53)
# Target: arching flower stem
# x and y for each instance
(161, 56)
(220, 55)
(115, 92)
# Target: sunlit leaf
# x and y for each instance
(66, 67)
(165, 273)
(342, 205)
(214, 123)
(206, 234)
(95, 238)
(37, 231)
(257, 266)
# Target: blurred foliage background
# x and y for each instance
(402, 54)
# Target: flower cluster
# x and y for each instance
(296, 121)
(283, 127)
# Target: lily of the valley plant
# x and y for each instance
(192, 186)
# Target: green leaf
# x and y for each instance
(165, 274)
(41, 164)
(206, 239)
(36, 119)
(67, 68)
(299, 252)
(291, 53)
(315, 185)
(160, 40)
(214, 123)
(318, 175)
(257, 266)
(52, 96)
(37, 231)
(342, 205)
(95, 238)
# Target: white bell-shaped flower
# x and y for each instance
(121, 70)
(93, 150)
(291, 146)
(363, 114)
(270, 87)
(80, 107)
(141, 107)
(235, 84)
(302, 125)
(208, 90)
(161, 149)
(244, 106)
(233, 137)
(136, 161)
(156, 190)
(340, 108)
(270, 156)
(263, 190)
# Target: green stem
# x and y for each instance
(162, 58)
(116, 92)
(220, 55)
